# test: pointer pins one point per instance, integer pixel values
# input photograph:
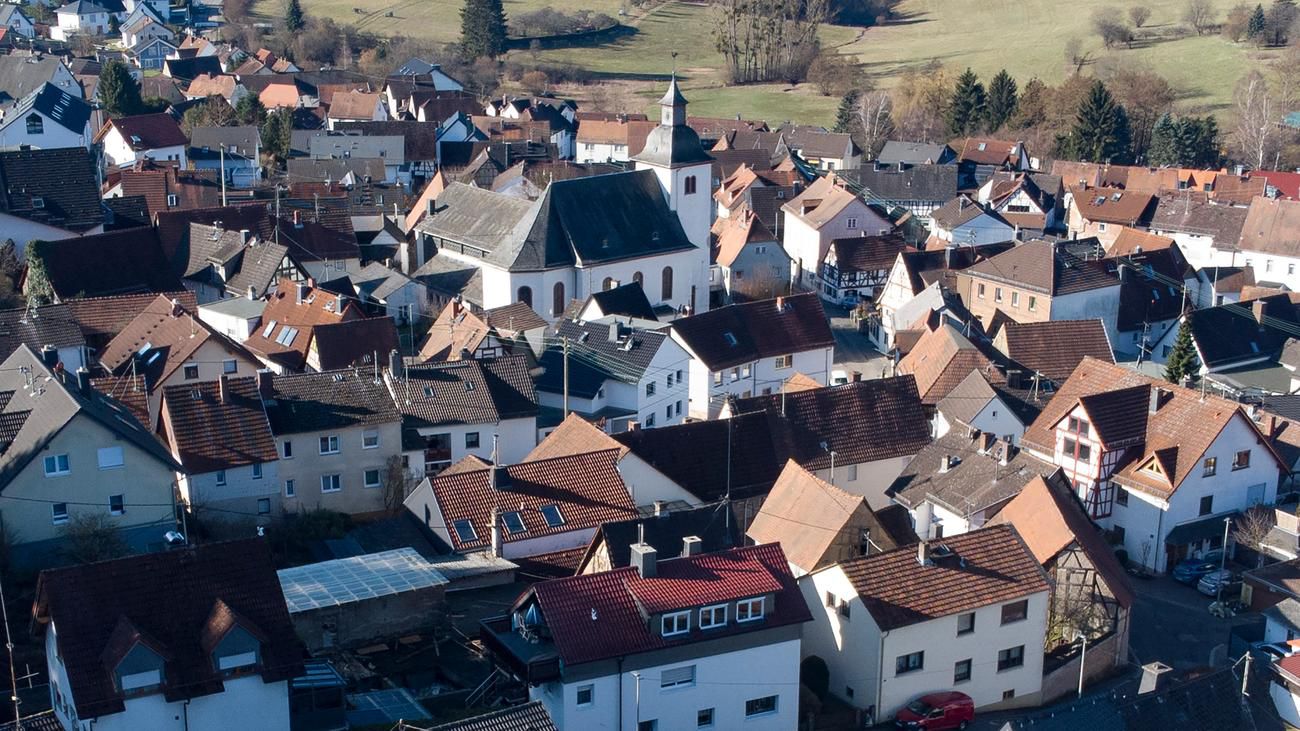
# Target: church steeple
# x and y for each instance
(672, 106)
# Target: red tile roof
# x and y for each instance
(1056, 347)
(169, 330)
(987, 566)
(208, 434)
(283, 310)
(147, 131)
(102, 318)
(942, 359)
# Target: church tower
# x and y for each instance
(685, 171)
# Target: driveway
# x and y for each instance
(853, 351)
(1172, 623)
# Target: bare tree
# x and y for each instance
(1200, 15)
(92, 537)
(1109, 23)
(875, 121)
(1075, 55)
(1252, 529)
(1139, 14)
(395, 484)
(1256, 134)
(767, 40)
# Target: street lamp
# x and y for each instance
(1223, 560)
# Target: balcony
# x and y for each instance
(533, 660)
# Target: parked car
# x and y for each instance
(1219, 581)
(839, 377)
(1190, 570)
(937, 711)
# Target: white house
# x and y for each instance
(878, 640)
(145, 29)
(1158, 465)
(823, 212)
(160, 8)
(626, 650)
(965, 222)
(751, 349)
(684, 170)
(139, 643)
(127, 140)
(47, 118)
(80, 17)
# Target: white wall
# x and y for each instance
(13, 133)
(763, 377)
(1101, 304)
(119, 153)
(807, 246)
(868, 479)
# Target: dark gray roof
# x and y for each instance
(910, 183)
(22, 74)
(38, 327)
(466, 392)
(626, 299)
(1188, 213)
(310, 402)
(915, 153)
(678, 145)
(57, 187)
(480, 218)
(977, 481)
(666, 531)
(450, 278)
(61, 106)
(594, 358)
(207, 142)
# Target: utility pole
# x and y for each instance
(1223, 560)
(222, 148)
(566, 377)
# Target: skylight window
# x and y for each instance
(286, 336)
(428, 391)
(730, 338)
(513, 522)
(552, 515)
(266, 333)
(465, 531)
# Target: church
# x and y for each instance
(649, 225)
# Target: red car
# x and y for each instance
(937, 711)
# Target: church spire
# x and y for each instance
(672, 105)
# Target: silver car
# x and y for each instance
(1219, 579)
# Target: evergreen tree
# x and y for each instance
(1002, 100)
(966, 110)
(249, 110)
(846, 117)
(294, 19)
(1201, 142)
(277, 132)
(482, 29)
(1257, 24)
(1164, 142)
(118, 91)
(1182, 359)
(1101, 132)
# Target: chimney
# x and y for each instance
(644, 559)
(923, 553)
(986, 442)
(857, 376)
(1272, 427)
(223, 388)
(1260, 309)
(338, 303)
(244, 235)
(297, 219)
(83, 381)
(496, 533)
(394, 362)
(176, 308)
(264, 388)
(301, 290)
(1153, 678)
(1157, 393)
(49, 356)
(692, 546)
(252, 292)
(612, 333)
(780, 304)
(945, 463)
(660, 510)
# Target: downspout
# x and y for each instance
(880, 678)
(620, 694)
(185, 715)
(1160, 521)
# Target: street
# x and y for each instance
(853, 351)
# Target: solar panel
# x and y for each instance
(346, 580)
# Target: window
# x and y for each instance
(370, 439)
(1211, 466)
(289, 488)
(607, 285)
(783, 361)
(670, 380)
(717, 378)
(372, 478)
(35, 124)
(191, 372)
(229, 366)
(221, 477)
(677, 677)
(650, 725)
(1015, 611)
(965, 623)
(979, 291)
(853, 473)
(845, 610)
(513, 522)
(1101, 227)
(677, 623)
(1076, 449)
(1015, 298)
(704, 718)
(329, 445)
(525, 295)
(109, 457)
(961, 671)
(116, 504)
(909, 663)
(1241, 460)
(997, 294)
(551, 514)
(1008, 694)
(257, 470)
(59, 513)
(286, 450)
(650, 420)
(760, 706)
(1118, 532)
(1078, 426)
(1268, 265)
(1033, 303)
(851, 222)
(748, 610)
(586, 693)
(690, 185)
(650, 388)
(56, 465)
(287, 336)
(714, 616)
(666, 284)
(331, 483)
(1121, 496)
(1207, 505)
(1011, 658)
(471, 440)
(679, 376)
(677, 408)
(557, 299)
(264, 506)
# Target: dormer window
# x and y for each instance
(238, 651)
(676, 623)
(749, 610)
(714, 616)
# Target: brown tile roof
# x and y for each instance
(820, 202)
(986, 151)
(739, 230)
(941, 359)
(1045, 267)
(1112, 205)
(1272, 226)
(357, 342)
(868, 253)
(354, 105)
(976, 480)
(102, 318)
(210, 434)
(987, 566)
(147, 131)
(157, 183)
(167, 599)
(171, 332)
(283, 312)
(1194, 213)
(528, 717)
(1283, 577)
(1050, 518)
(466, 392)
(1055, 348)
(1132, 241)
(574, 435)
(126, 261)
(760, 329)
(205, 85)
(799, 382)
(310, 402)
(456, 329)
(816, 523)
(587, 488)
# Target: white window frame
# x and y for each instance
(591, 696)
(290, 488)
(110, 458)
(366, 439)
(257, 470)
(335, 479)
(230, 366)
(57, 471)
(221, 477)
(676, 619)
(748, 605)
(776, 706)
(782, 362)
(712, 612)
(668, 679)
(329, 444)
(56, 517)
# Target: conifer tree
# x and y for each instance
(1164, 142)
(119, 92)
(1257, 24)
(968, 106)
(1182, 359)
(1101, 131)
(483, 29)
(1003, 100)
(294, 19)
(846, 116)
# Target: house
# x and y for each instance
(611, 140)
(391, 292)
(151, 53)
(222, 263)
(128, 261)
(822, 149)
(493, 333)
(978, 158)
(1222, 285)
(356, 106)
(611, 370)
(169, 345)
(919, 189)
(985, 401)
(48, 195)
(818, 524)
(235, 317)
(47, 118)
(749, 262)
(41, 327)
(531, 716)
(69, 451)
(1029, 201)
(1206, 231)
(668, 531)
(525, 509)
(1091, 596)
(80, 17)
(960, 482)
(915, 154)
(100, 319)
(968, 613)
(856, 269)
(753, 187)
(942, 358)
(1234, 336)
(144, 28)
(200, 632)
(681, 625)
(824, 211)
(469, 407)
(16, 21)
(1051, 350)
(751, 348)
(628, 300)
(966, 222)
(128, 140)
(1144, 455)
(166, 186)
(235, 151)
(420, 154)
(218, 431)
(22, 73)
(158, 8)
(388, 149)
(1268, 241)
(205, 86)
(336, 433)
(918, 273)
(857, 436)
(1104, 212)
(192, 67)
(292, 313)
